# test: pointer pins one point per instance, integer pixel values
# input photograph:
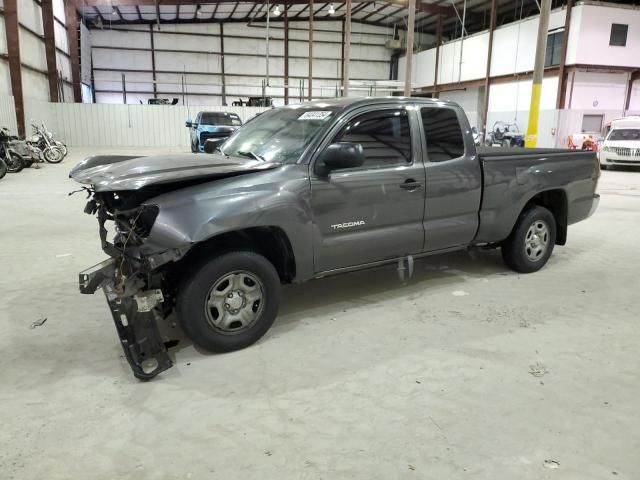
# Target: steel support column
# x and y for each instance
(437, 66)
(562, 76)
(487, 77)
(531, 138)
(71, 22)
(310, 80)
(12, 29)
(153, 61)
(286, 54)
(347, 51)
(411, 21)
(633, 77)
(222, 67)
(50, 48)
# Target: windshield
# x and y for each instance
(625, 134)
(214, 118)
(279, 135)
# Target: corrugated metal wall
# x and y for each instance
(193, 52)
(80, 124)
(8, 114)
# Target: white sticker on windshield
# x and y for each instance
(315, 115)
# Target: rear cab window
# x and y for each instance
(443, 133)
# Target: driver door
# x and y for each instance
(373, 212)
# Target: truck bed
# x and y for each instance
(511, 176)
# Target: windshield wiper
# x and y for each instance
(218, 149)
(251, 154)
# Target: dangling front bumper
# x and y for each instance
(135, 318)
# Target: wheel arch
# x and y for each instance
(269, 241)
(555, 200)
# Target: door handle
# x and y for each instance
(411, 185)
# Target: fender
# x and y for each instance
(275, 198)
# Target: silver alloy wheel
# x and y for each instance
(536, 240)
(235, 302)
(52, 155)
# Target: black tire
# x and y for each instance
(195, 316)
(15, 164)
(193, 147)
(603, 166)
(3, 168)
(517, 252)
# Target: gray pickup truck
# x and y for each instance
(306, 191)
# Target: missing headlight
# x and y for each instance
(135, 225)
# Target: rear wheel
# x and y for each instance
(531, 242)
(229, 302)
(3, 168)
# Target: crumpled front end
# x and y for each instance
(134, 279)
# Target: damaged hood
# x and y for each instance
(117, 172)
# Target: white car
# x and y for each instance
(621, 146)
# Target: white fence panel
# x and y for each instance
(108, 125)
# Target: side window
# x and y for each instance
(443, 133)
(384, 135)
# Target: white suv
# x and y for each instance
(622, 144)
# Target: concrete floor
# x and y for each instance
(360, 377)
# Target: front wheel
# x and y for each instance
(62, 147)
(3, 168)
(53, 155)
(15, 163)
(229, 302)
(531, 242)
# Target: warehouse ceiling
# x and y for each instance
(103, 13)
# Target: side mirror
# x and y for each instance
(188, 123)
(339, 156)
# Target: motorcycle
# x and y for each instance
(42, 146)
(57, 143)
(477, 136)
(14, 162)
